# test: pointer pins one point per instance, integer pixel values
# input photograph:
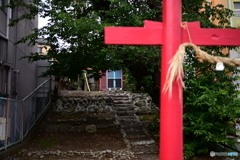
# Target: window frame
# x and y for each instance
(114, 79)
(39, 49)
(236, 10)
(1, 3)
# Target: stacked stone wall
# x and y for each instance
(101, 102)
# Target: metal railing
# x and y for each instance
(17, 117)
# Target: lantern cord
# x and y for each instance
(175, 71)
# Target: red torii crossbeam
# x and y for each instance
(170, 34)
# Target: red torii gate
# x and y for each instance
(170, 35)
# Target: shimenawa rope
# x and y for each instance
(175, 70)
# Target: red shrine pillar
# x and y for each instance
(171, 111)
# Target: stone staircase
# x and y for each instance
(123, 108)
(134, 132)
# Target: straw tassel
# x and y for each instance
(175, 70)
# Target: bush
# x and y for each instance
(211, 105)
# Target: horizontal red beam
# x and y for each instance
(151, 34)
(132, 35)
(210, 36)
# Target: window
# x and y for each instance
(115, 79)
(236, 9)
(4, 79)
(10, 13)
(1, 2)
(11, 10)
(39, 49)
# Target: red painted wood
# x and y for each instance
(171, 111)
(151, 34)
(213, 37)
(152, 24)
(132, 35)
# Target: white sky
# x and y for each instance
(42, 22)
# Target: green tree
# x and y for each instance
(75, 35)
(211, 105)
(211, 101)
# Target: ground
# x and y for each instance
(71, 146)
(43, 142)
(67, 146)
(65, 142)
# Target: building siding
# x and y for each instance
(21, 75)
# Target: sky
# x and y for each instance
(42, 22)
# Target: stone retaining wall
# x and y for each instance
(90, 128)
(70, 102)
(76, 111)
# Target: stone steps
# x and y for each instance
(144, 149)
(124, 108)
(131, 124)
(121, 98)
(125, 113)
(141, 141)
(122, 101)
(132, 130)
(135, 134)
(122, 105)
(126, 119)
(120, 108)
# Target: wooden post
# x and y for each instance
(171, 132)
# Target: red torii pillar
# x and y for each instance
(170, 35)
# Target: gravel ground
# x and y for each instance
(77, 146)
(68, 146)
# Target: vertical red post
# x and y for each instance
(171, 112)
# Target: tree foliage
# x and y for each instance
(75, 36)
(211, 101)
(211, 105)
